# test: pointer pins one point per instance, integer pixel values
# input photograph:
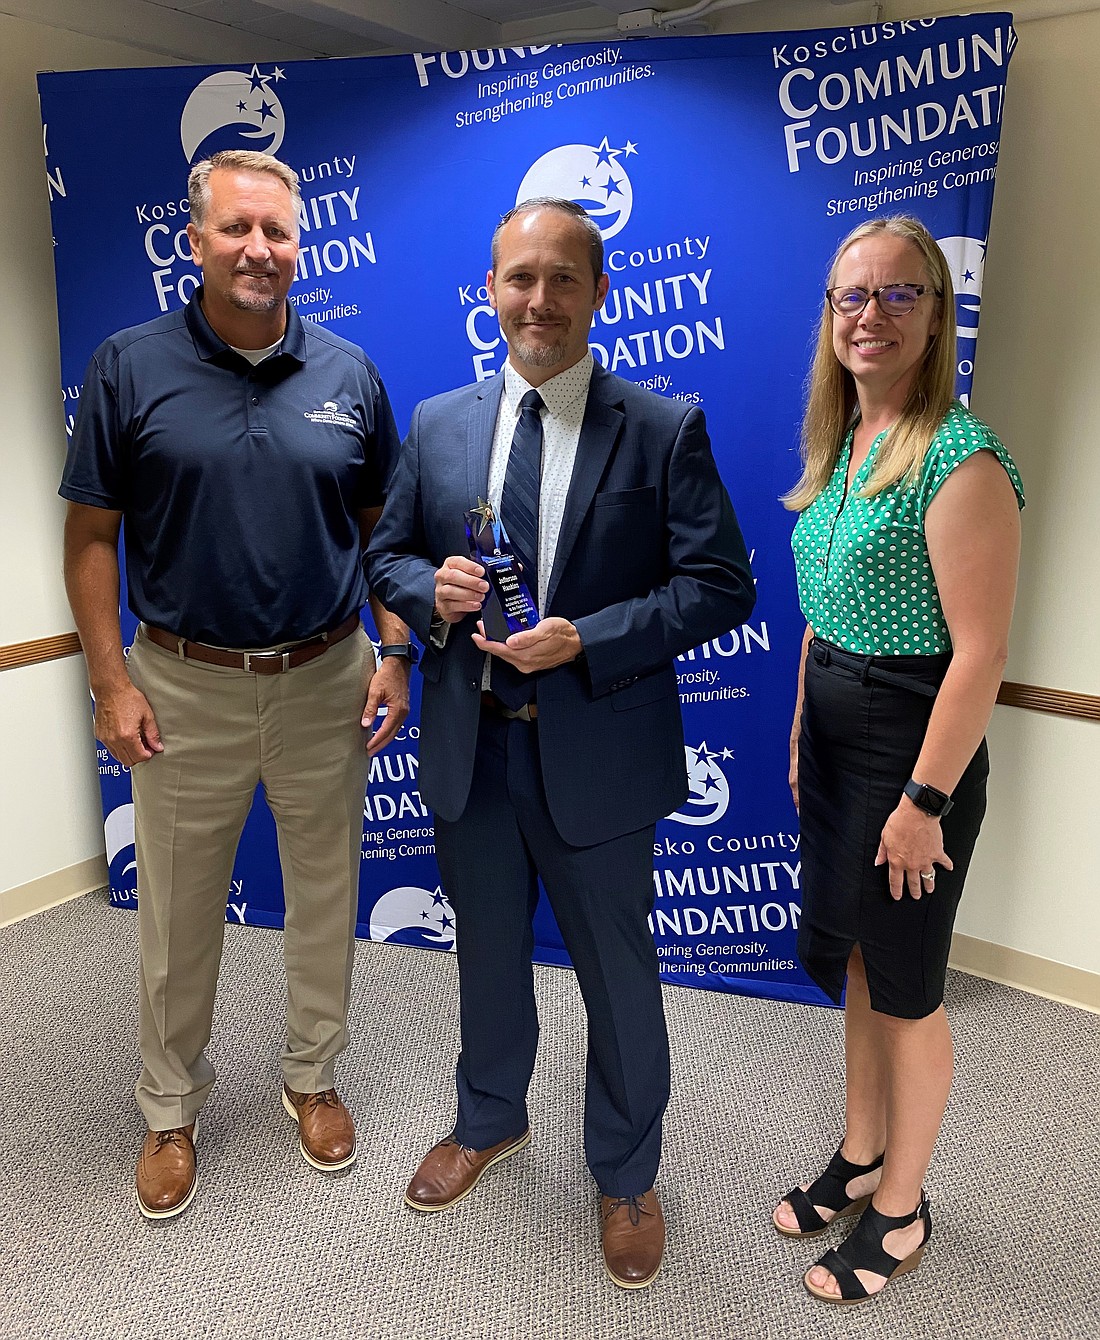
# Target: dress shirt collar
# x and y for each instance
(560, 394)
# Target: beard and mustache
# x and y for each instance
(248, 298)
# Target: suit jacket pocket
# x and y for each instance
(644, 689)
(431, 665)
(626, 497)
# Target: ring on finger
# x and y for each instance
(929, 876)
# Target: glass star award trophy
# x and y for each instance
(509, 606)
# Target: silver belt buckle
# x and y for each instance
(250, 656)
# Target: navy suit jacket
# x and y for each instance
(650, 562)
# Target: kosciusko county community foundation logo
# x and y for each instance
(965, 257)
(118, 833)
(233, 110)
(708, 791)
(590, 175)
(413, 916)
(331, 412)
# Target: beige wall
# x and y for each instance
(49, 805)
(1036, 877)
(1036, 882)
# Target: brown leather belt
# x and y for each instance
(528, 712)
(271, 662)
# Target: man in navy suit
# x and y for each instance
(555, 752)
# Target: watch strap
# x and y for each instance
(927, 798)
(398, 649)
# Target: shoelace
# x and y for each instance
(635, 1208)
(326, 1098)
(178, 1137)
(465, 1149)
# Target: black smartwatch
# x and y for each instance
(399, 649)
(927, 798)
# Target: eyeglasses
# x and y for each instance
(893, 299)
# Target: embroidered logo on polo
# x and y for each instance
(330, 412)
(233, 110)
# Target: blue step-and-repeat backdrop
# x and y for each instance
(722, 172)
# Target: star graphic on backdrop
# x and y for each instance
(709, 784)
(605, 153)
(629, 149)
(611, 186)
(586, 181)
(437, 898)
(968, 277)
(727, 753)
(242, 107)
(424, 916)
(445, 922)
(256, 79)
(266, 110)
(277, 74)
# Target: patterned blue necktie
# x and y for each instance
(519, 511)
(519, 502)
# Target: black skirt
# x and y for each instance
(863, 724)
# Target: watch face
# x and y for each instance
(927, 798)
(932, 801)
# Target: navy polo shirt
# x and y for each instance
(240, 486)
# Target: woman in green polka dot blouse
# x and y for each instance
(906, 552)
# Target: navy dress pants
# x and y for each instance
(490, 860)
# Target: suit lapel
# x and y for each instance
(480, 428)
(599, 432)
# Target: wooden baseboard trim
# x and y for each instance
(59, 887)
(1030, 696)
(42, 649)
(1029, 972)
(1062, 702)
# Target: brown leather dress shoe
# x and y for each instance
(449, 1171)
(633, 1239)
(166, 1174)
(326, 1132)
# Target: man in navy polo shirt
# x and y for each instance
(244, 452)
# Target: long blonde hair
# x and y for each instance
(831, 399)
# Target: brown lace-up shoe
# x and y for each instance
(633, 1239)
(450, 1171)
(166, 1175)
(326, 1132)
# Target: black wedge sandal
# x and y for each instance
(830, 1190)
(863, 1250)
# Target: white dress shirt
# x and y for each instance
(564, 399)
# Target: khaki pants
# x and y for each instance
(226, 731)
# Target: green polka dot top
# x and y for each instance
(865, 581)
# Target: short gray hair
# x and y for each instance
(563, 206)
(236, 160)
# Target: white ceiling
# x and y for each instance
(225, 31)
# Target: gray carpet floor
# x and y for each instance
(271, 1248)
